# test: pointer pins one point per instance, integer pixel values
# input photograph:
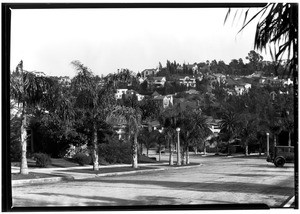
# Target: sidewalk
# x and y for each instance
(84, 172)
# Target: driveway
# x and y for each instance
(219, 180)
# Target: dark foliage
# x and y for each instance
(42, 160)
(115, 152)
(82, 159)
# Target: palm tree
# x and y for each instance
(93, 102)
(134, 124)
(230, 127)
(29, 90)
(248, 131)
(194, 129)
(278, 26)
(169, 119)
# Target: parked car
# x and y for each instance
(281, 155)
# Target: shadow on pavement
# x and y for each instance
(68, 200)
(238, 187)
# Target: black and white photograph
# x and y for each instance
(150, 106)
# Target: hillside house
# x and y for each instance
(127, 92)
(214, 124)
(220, 78)
(193, 67)
(188, 81)
(157, 81)
(120, 92)
(238, 86)
(164, 101)
(288, 82)
(271, 81)
(242, 88)
(149, 72)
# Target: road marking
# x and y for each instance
(289, 203)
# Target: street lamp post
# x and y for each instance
(160, 131)
(268, 144)
(178, 147)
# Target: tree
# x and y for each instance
(28, 89)
(148, 139)
(278, 28)
(248, 131)
(194, 129)
(230, 127)
(133, 118)
(169, 119)
(255, 60)
(93, 103)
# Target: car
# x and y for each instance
(281, 155)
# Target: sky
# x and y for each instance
(106, 40)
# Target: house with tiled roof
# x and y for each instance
(239, 86)
(164, 101)
(221, 78)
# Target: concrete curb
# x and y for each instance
(66, 177)
(39, 181)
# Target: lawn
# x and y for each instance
(31, 175)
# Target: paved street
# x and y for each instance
(219, 180)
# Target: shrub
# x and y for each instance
(42, 160)
(115, 152)
(82, 159)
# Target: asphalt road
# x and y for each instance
(220, 180)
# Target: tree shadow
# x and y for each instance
(221, 186)
(272, 166)
(72, 200)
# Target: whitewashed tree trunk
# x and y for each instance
(24, 166)
(196, 150)
(246, 150)
(95, 150)
(187, 156)
(135, 152)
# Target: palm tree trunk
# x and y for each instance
(204, 150)
(95, 150)
(24, 166)
(141, 148)
(228, 149)
(187, 156)
(171, 160)
(246, 150)
(196, 150)
(290, 140)
(147, 151)
(183, 157)
(159, 157)
(134, 152)
(31, 141)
